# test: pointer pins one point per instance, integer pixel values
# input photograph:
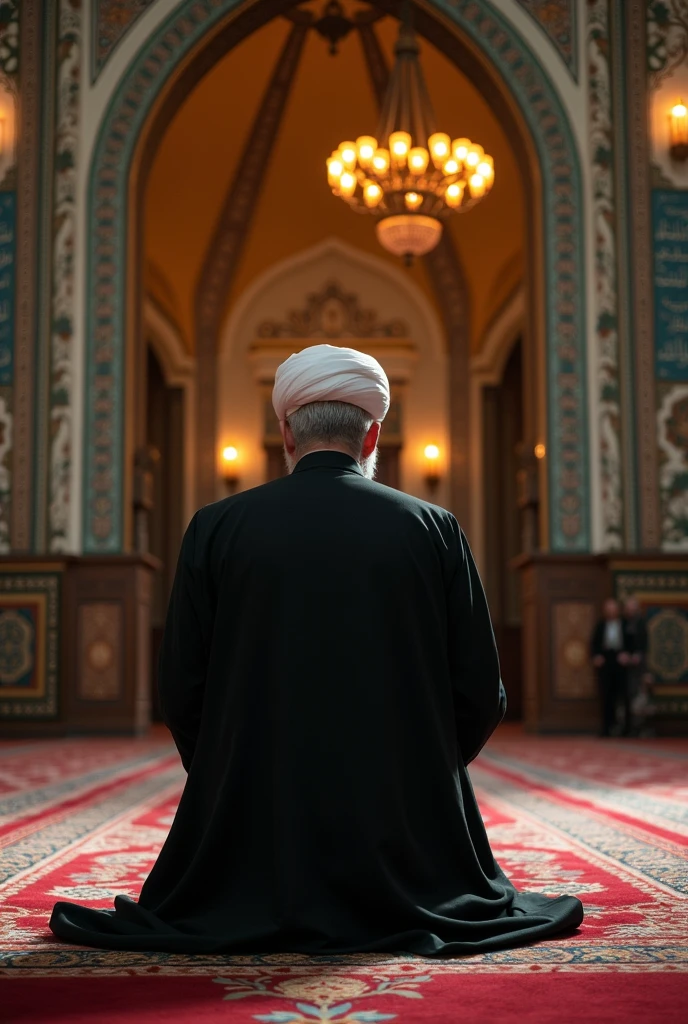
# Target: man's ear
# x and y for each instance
(370, 441)
(287, 437)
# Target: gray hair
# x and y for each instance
(330, 423)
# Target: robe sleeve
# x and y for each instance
(184, 651)
(479, 696)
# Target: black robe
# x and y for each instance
(328, 671)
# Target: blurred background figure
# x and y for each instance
(610, 658)
(635, 645)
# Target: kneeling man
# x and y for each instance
(328, 671)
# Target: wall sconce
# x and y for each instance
(230, 457)
(432, 467)
(539, 451)
(678, 132)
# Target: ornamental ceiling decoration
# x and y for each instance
(333, 313)
(557, 18)
(111, 20)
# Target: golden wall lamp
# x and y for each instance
(230, 475)
(432, 467)
(678, 132)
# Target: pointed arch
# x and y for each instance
(169, 62)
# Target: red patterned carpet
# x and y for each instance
(607, 820)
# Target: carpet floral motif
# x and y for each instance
(325, 998)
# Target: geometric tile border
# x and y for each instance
(564, 292)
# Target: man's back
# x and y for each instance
(328, 669)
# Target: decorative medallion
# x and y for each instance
(17, 638)
(100, 644)
(572, 626)
(29, 618)
(667, 655)
(333, 313)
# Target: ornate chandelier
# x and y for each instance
(411, 177)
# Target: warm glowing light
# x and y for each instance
(372, 194)
(418, 160)
(460, 148)
(381, 161)
(230, 454)
(476, 185)
(432, 452)
(486, 169)
(347, 184)
(540, 451)
(335, 169)
(678, 124)
(454, 195)
(411, 183)
(439, 144)
(399, 145)
(366, 146)
(348, 154)
(474, 156)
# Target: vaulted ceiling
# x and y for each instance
(331, 100)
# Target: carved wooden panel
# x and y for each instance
(100, 651)
(572, 623)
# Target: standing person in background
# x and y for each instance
(635, 645)
(611, 661)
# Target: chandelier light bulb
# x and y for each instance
(486, 169)
(348, 154)
(454, 195)
(381, 161)
(418, 160)
(460, 149)
(413, 200)
(366, 146)
(399, 145)
(347, 184)
(477, 186)
(372, 194)
(335, 169)
(451, 167)
(474, 156)
(438, 145)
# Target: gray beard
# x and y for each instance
(368, 466)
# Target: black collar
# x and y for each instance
(328, 460)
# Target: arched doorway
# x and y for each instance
(172, 61)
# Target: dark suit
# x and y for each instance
(328, 670)
(612, 678)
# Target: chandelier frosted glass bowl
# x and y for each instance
(411, 177)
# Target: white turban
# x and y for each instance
(327, 373)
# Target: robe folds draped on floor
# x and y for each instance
(328, 671)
